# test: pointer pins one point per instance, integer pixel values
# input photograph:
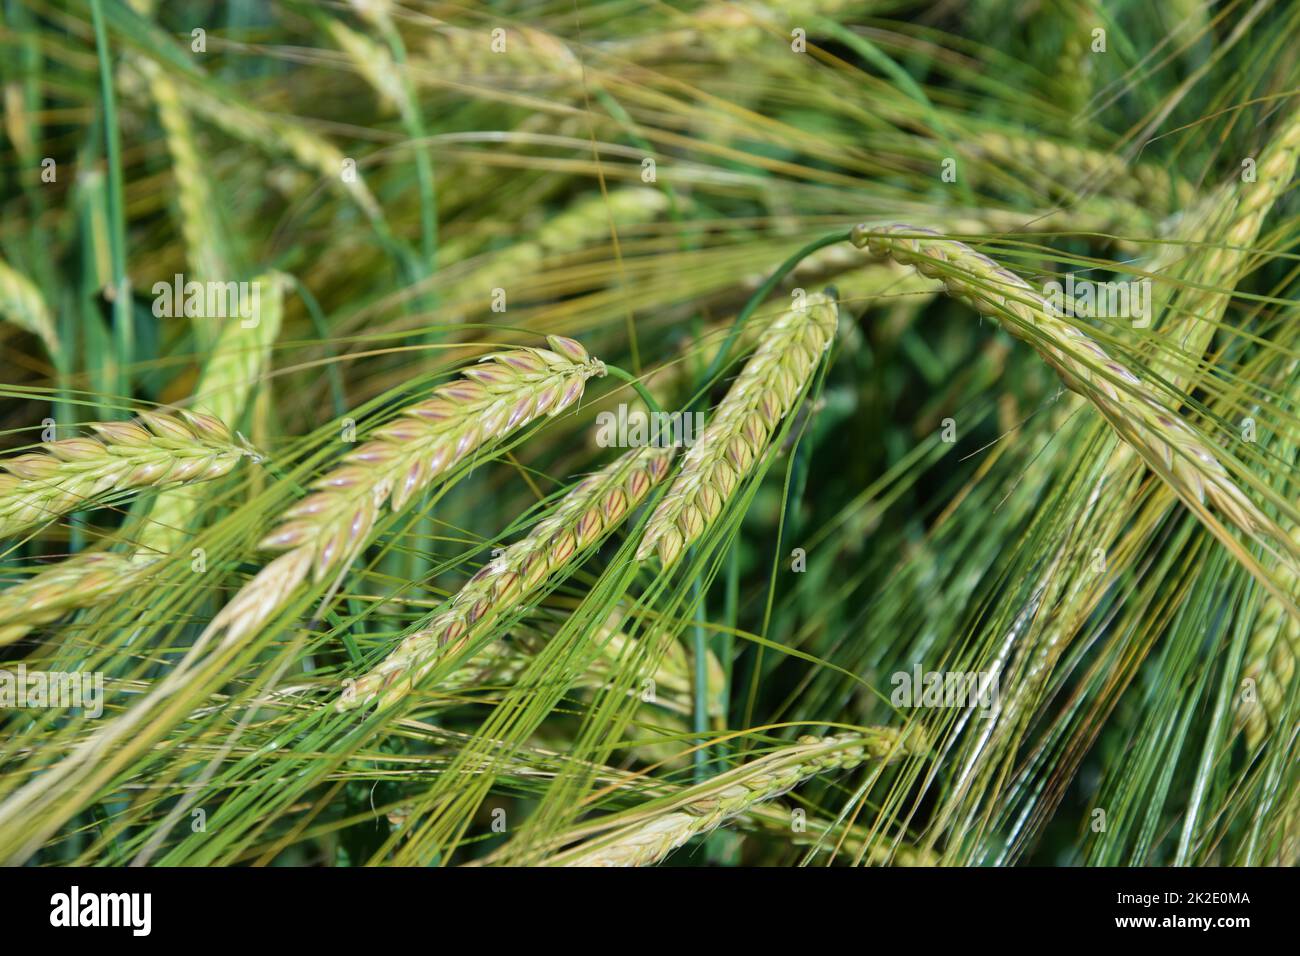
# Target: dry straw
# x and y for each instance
(1135, 411)
(504, 392)
(699, 809)
(75, 472)
(741, 427)
(582, 517)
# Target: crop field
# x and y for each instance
(735, 433)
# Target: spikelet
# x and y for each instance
(702, 808)
(741, 427)
(22, 304)
(1136, 412)
(582, 517)
(75, 472)
(504, 392)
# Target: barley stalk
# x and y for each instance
(75, 472)
(741, 427)
(22, 304)
(582, 517)
(504, 392)
(702, 808)
(1136, 412)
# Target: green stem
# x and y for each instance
(635, 382)
(700, 723)
(123, 334)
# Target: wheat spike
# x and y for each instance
(582, 517)
(22, 304)
(702, 808)
(741, 427)
(1135, 412)
(504, 392)
(75, 472)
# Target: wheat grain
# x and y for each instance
(699, 809)
(75, 472)
(741, 427)
(504, 392)
(22, 304)
(581, 518)
(1136, 413)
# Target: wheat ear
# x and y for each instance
(322, 533)
(74, 472)
(1136, 412)
(741, 427)
(699, 809)
(22, 304)
(581, 518)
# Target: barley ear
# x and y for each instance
(737, 435)
(701, 808)
(322, 533)
(76, 472)
(594, 507)
(1132, 408)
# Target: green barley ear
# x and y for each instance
(1134, 410)
(237, 364)
(737, 435)
(704, 807)
(77, 472)
(22, 304)
(82, 580)
(586, 514)
(322, 533)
